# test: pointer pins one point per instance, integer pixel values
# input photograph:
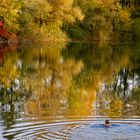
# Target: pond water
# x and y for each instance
(65, 91)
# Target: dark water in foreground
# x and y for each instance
(65, 91)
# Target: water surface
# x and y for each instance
(65, 91)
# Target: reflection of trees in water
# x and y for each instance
(9, 70)
(61, 84)
(123, 92)
(66, 82)
(12, 92)
(49, 76)
(101, 62)
(12, 105)
(113, 66)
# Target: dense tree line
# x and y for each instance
(59, 19)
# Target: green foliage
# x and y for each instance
(97, 21)
(102, 18)
(123, 21)
(58, 19)
(136, 28)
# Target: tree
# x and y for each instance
(47, 16)
(9, 14)
(101, 19)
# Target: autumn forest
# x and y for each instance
(71, 19)
(67, 67)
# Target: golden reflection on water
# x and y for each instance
(71, 80)
(70, 87)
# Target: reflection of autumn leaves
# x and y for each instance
(9, 71)
(80, 101)
(51, 78)
(70, 84)
(101, 65)
(69, 69)
(56, 81)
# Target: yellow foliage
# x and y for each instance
(8, 71)
(66, 3)
(124, 16)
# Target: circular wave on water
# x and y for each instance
(75, 130)
(116, 131)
